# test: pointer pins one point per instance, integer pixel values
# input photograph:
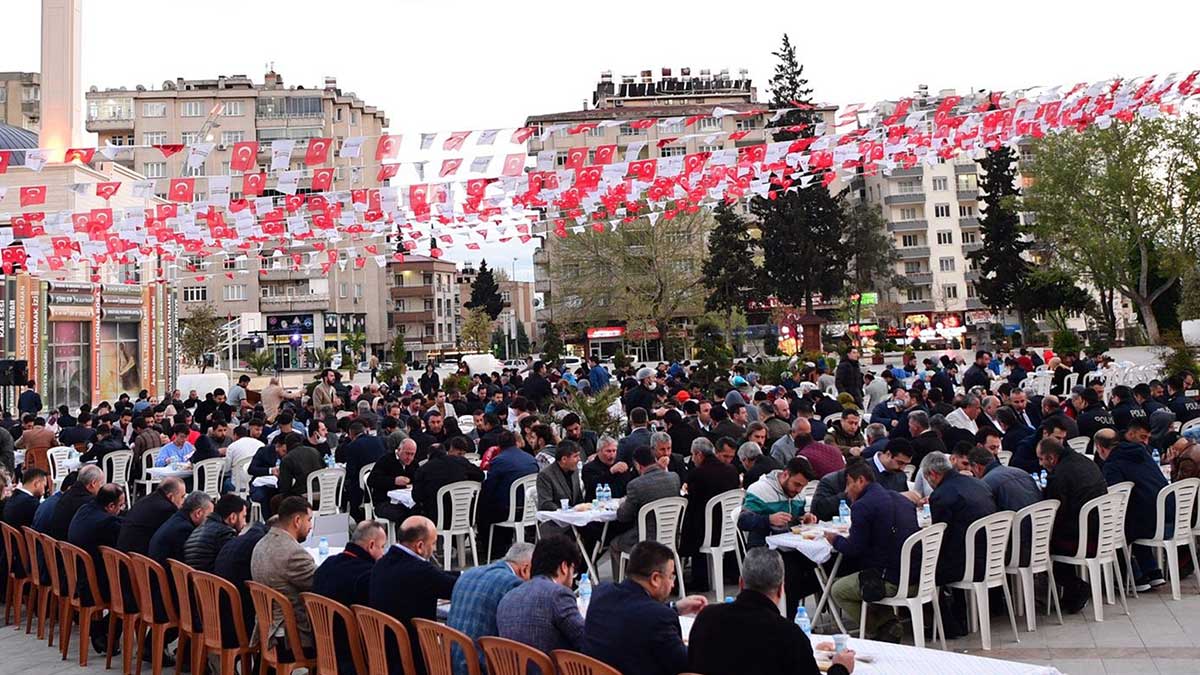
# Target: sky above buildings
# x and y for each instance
(451, 65)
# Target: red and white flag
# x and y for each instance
(244, 157)
(317, 152)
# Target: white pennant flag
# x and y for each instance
(288, 182)
(480, 164)
(380, 261)
(281, 153)
(218, 190)
(36, 159)
(143, 189)
(80, 189)
(487, 137)
(427, 141)
(198, 153)
(634, 150)
(352, 147)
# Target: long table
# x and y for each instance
(883, 657)
(579, 519)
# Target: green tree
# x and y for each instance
(354, 343)
(260, 361)
(1189, 307)
(485, 293)
(1114, 203)
(1003, 269)
(201, 335)
(802, 228)
(729, 272)
(322, 358)
(1054, 295)
(476, 329)
(713, 355)
(873, 254)
(552, 344)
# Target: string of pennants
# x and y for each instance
(605, 192)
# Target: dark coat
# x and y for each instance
(959, 501)
(1092, 419)
(345, 578)
(634, 633)
(1025, 456)
(880, 522)
(639, 397)
(295, 467)
(764, 465)
(831, 490)
(848, 379)
(233, 565)
(941, 380)
(976, 377)
(406, 588)
(729, 639)
(1073, 482)
(168, 541)
(440, 470)
(1013, 437)
(360, 452)
(1012, 488)
(91, 528)
(1125, 412)
(19, 509)
(704, 482)
(596, 472)
(1185, 408)
(64, 511)
(537, 390)
(682, 436)
(639, 437)
(1133, 462)
(384, 474)
(506, 467)
(205, 542)
(926, 443)
(142, 521)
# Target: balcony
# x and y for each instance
(295, 303)
(915, 171)
(973, 246)
(968, 222)
(919, 278)
(913, 252)
(917, 306)
(908, 226)
(976, 303)
(413, 316)
(971, 276)
(282, 274)
(412, 291)
(110, 124)
(908, 198)
(968, 195)
(964, 168)
(541, 257)
(542, 285)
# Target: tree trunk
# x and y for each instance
(1021, 322)
(1146, 309)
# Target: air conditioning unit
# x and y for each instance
(222, 146)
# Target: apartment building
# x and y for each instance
(285, 310)
(634, 98)
(518, 297)
(424, 305)
(20, 100)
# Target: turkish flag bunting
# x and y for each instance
(605, 154)
(386, 171)
(449, 167)
(33, 195)
(322, 179)
(244, 157)
(519, 136)
(642, 124)
(4, 159)
(387, 148)
(575, 158)
(317, 152)
(582, 127)
(514, 165)
(293, 203)
(106, 190)
(82, 155)
(644, 169)
(455, 140)
(168, 149)
(253, 184)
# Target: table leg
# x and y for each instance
(825, 595)
(587, 556)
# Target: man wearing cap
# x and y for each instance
(642, 396)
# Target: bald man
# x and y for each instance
(405, 584)
(148, 514)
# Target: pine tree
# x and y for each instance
(485, 293)
(1003, 272)
(552, 345)
(802, 228)
(728, 272)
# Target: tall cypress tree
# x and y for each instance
(729, 273)
(1003, 272)
(485, 292)
(801, 229)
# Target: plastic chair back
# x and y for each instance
(267, 603)
(207, 476)
(458, 518)
(722, 507)
(78, 563)
(523, 491)
(1041, 519)
(181, 576)
(116, 466)
(240, 475)
(508, 657)
(51, 555)
(148, 574)
(376, 626)
(118, 567)
(660, 520)
(325, 489)
(16, 553)
(996, 528)
(1079, 443)
(322, 613)
(57, 458)
(573, 663)
(210, 591)
(1184, 492)
(436, 642)
(930, 541)
(1110, 525)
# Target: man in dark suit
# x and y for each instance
(958, 501)
(362, 450)
(394, 470)
(886, 467)
(682, 434)
(924, 439)
(442, 468)
(728, 639)
(511, 464)
(345, 578)
(639, 435)
(233, 565)
(630, 627)
(148, 514)
(1014, 430)
(655, 482)
(97, 524)
(91, 477)
(405, 585)
(169, 539)
(708, 478)
(20, 507)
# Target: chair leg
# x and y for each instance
(1121, 586)
(917, 612)
(112, 623)
(469, 538)
(1053, 595)
(1012, 616)
(1027, 592)
(1195, 563)
(679, 576)
(1172, 566)
(34, 600)
(938, 627)
(65, 619)
(447, 542)
(462, 552)
(983, 608)
(1128, 553)
(1096, 581)
(179, 647)
(718, 573)
(862, 621)
(85, 633)
(1107, 572)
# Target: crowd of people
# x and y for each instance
(977, 439)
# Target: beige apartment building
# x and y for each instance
(424, 306)
(633, 98)
(20, 100)
(288, 312)
(518, 297)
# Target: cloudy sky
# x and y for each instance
(451, 65)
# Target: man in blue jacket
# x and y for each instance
(510, 464)
(363, 449)
(598, 375)
(1130, 460)
(881, 519)
(345, 578)
(630, 627)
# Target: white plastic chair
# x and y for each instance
(149, 459)
(1184, 492)
(526, 488)
(466, 423)
(368, 500)
(1079, 443)
(1107, 508)
(458, 520)
(325, 489)
(996, 529)
(1041, 522)
(207, 476)
(668, 515)
(116, 467)
(1005, 456)
(930, 540)
(726, 505)
(806, 494)
(239, 473)
(57, 458)
(1190, 424)
(830, 419)
(734, 514)
(1125, 489)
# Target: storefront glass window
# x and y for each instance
(119, 368)
(69, 373)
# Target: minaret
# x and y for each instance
(62, 86)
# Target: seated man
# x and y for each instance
(728, 639)
(604, 469)
(755, 463)
(559, 482)
(510, 464)
(1026, 457)
(1013, 489)
(542, 612)
(224, 523)
(477, 595)
(344, 577)
(888, 466)
(1074, 479)
(653, 483)
(281, 562)
(630, 626)
(178, 450)
(881, 520)
(442, 468)
(661, 444)
(296, 463)
(708, 478)
(394, 470)
(845, 434)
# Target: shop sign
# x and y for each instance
(609, 332)
(69, 313)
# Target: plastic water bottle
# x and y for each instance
(606, 495)
(802, 620)
(728, 599)
(1157, 457)
(328, 461)
(1042, 479)
(843, 513)
(928, 515)
(323, 546)
(585, 590)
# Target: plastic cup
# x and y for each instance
(839, 642)
(565, 504)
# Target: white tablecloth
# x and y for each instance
(265, 481)
(890, 658)
(161, 472)
(402, 496)
(315, 552)
(817, 550)
(72, 463)
(577, 518)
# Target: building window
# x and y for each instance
(909, 187)
(673, 151)
(31, 94)
(967, 182)
(231, 137)
(154, 138)
(232, 109)
(189, 137)
(966, 211)
(596, 132)
(427, 279)
(970, 290)
(708, 124)
(941, 184)
(629, 130)
(968, 237)
(192, 109)
(908, 213)
(912, 267)
(154, 169)
(916, 293)
(193, 171)
(195, 293)
(399, 304)
(675, 127)
(438, 305)
(358, 290)
(234, 292)
(428, 304)
(154, 110)
(289, 106)
(946, 264)
(337, 114)
(945, 237)
(941, 210)
(710, 148)
(343, 288)
(354, 117)
(747, 124)
(950, 291)
(428, 330)
(909, 241)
